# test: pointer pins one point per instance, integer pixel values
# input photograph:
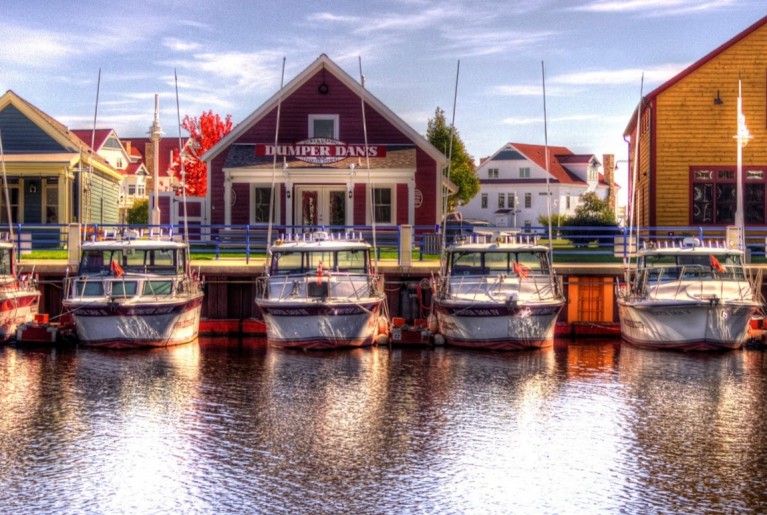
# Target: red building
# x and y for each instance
(324, 166)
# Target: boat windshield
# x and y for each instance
(158, 261)
(5, 261)
(494, 262)
(693, 266)
(302, 262)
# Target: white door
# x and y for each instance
(320, 206)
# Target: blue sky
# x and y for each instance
(228, 56)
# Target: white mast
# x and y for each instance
(743, 136)
(155, 133)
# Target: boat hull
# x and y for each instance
(137, 325)
(321, 325)
(497, 326)
(16, 308)
(700, 326)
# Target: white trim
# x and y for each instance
(369, 206)
(313, 117)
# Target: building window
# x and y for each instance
(52, 204)
(323, 126)
(262, 199)
(13, 195)
(383, 205)
(140, 190)
(501, 200)
(492, 173)
(484, 200)
(714, 196)
(512, 200)
(528, 200)
(567, 201)
(524, 172)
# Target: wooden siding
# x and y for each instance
(690, 129)
(105, 212)
(294, 126)
(22, 136)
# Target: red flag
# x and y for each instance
(115, 268)
(521, 270)
(716, 265)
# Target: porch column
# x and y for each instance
(228, 200)
(411, 201)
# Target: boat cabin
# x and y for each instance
(499, 260)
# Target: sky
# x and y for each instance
(228, 57)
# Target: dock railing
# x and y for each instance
(217, 242)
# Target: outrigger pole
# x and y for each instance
(5, 190)
(445, 194)
(546, 145)
(181, 162)
(274, 168)
(371, 201)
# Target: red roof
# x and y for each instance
(140, 145)
(537, 154)
(99, 136)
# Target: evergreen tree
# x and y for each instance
(463, 172)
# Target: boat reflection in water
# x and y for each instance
(237, 425)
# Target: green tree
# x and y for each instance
(463, 172)
(139, 213)
(593, 208)
(592, 214)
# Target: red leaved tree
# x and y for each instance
(204, 132)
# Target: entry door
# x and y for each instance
(322, 206)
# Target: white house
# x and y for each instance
(513, 184)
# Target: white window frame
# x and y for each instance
(315, 117)
(252, 202)
(483, 200)
(492, 173)
(393, 215)
(524, 172)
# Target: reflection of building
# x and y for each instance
(513, 184)
(322, 160)
(54, 177)
(687, 149)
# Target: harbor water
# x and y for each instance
(232, 426)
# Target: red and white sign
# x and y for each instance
(320, 151)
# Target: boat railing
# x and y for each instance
(339, 285)
(502, 286)
(695, 281)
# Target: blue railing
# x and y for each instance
(249, 240)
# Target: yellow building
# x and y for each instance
(687, 173)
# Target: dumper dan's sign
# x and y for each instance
(320, 150)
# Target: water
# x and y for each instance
(225, 426)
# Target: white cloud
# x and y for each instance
(35, 48)
(654, 7)
(656, 74)
(180, 45)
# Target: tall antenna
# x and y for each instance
(546, 143)
(274, 165)
(181, 161)
(89, 186)
(5, 190)
(635, 170)
(446, 194)
(371, 201)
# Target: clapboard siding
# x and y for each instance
(690, 129)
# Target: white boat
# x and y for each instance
(19, 297)
(687, 296)
(319, 291)
(501, 295)
(131, 292)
